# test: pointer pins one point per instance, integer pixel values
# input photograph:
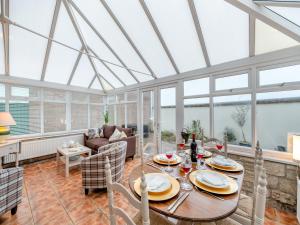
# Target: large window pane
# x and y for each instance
(120, 114)
(27, 117)
(280, 75)
(148, 120)
(232, 115)
(96, 116)
(79, 116)
(2, 105)
(132, 115)
(179, 32)
(290, 13)
(277, 115)
(111, 114)
(2, 90)
(168, 119)
(196, 87)
(54, 117)
(1, 52)
(225, 28)
(196, 115)
(84, 73)
(232, 82)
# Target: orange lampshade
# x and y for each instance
(6, 119)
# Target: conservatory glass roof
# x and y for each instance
(111, 44)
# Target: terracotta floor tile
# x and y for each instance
(49, 198)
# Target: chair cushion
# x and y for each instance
(155, 219)
(95, 143)
(115, 136)
(108, 130)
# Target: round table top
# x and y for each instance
(198, 206)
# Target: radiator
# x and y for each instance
(42, 147)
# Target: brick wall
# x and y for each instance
(282, 182)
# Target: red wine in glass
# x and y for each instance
(200, 155)
(169, 155)
(219, 146)
(181, 146)
(186, 169)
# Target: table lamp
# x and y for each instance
(6, 120)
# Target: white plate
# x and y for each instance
(212, 179)
(157, 183)
(163, 158)
(221, 161)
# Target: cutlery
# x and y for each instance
(179, 202)
(179, 197)
(210, 194)
(154, 166)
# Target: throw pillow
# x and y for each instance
(123, 135)
(101, 134)
(91, 133)
(116, 135)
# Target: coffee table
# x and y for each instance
(64, 155)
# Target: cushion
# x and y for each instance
(128, 131)
(108, 130)
(116, 135)
(95, 143)
(123, 135)
(101, 134)
(91, 133)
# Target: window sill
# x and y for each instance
(268, 155)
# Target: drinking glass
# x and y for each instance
(181, 148)
(200, 162)
(169, 155)
(186, 166)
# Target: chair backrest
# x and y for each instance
(114, 211)
(261, 196)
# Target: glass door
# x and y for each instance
(167, 119)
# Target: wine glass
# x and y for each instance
(169, 155)
(200, 162)
(186, 166)
(181, 148)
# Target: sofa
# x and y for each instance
(107, 131)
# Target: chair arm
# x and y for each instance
(10, 174)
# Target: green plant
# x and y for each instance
(196, 128)
(230, 134)
(168, 136)
(106, 117)
(240, 117)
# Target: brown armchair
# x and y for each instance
(96, 143)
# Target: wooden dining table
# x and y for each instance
(198, 206)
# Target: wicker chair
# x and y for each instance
(11, 185)
(93, 167)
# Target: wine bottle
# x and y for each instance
(194, 148)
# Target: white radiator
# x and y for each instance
(42, 147)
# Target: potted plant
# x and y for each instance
(240, 117)
(197, 129)
(231, 138)
(106, 117)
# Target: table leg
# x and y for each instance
(67, 166)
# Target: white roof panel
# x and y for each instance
(84, 73)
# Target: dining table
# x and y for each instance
(199, 206)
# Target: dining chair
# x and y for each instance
(144, 217)
(251, 210)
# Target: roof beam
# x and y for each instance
(75, 66)
(109, 69)
(83, 42)
(251, 35)
(51, 35)
(282, 3)
(161, 39)
(127, 37)
(92, 81)
(269, 17)
(5, 31)
(102, 39)
(199, 31)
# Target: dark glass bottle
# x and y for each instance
(194, 149)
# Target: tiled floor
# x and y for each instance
(50, 198)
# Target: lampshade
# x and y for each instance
(296, 148)
(6, 119)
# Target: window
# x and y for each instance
(196, 114)
(120, 113)
(96, 115)
(54, 110)
(2, 90)
(111, 114)
(79, 111)
(132, 115)
(277, 115)
(132, 96)
(231, 82)
(196, 87)
(232, 115)
(25, 108)
(280, 75)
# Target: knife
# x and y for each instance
(171, 206)
(179, 202)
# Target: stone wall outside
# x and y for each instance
(282, 182)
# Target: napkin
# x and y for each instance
(155, 183)
(213, 179)
(220, 160)
(164, 158)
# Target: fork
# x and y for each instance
(208, 193)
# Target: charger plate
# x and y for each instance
(170, 193)
(238, 167)
(232, 188)
(172, 162)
